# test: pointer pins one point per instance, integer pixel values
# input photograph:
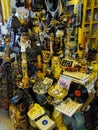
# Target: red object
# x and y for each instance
(72, 69)
(6, 104)
(77, 93)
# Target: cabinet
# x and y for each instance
(90, 20)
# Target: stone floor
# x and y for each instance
(5, 123)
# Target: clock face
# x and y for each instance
(67, 63)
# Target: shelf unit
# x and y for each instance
(90, 20)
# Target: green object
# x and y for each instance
(84, 128)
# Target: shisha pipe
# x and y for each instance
(59, 35)
(7, 67)
(24, 62)
(68, 46)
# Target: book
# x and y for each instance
(68, 107)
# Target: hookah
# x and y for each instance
(68, 44)
(47, 54)
(8, 82)
(59, 36)
(24, 44)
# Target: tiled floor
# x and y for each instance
(5, 123)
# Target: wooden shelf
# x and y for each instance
(95, 22)
(88, 8)
(93, 36)
(87, 22)
(96, 6)
(90, 19)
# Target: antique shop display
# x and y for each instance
(48, 80)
